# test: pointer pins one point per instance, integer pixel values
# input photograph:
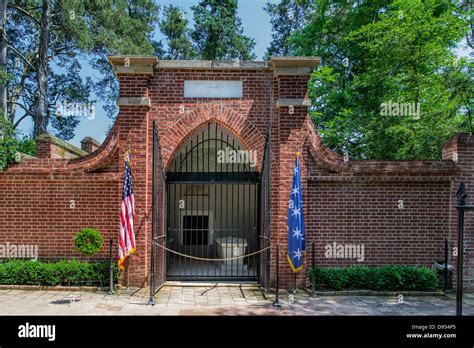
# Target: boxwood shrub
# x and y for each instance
(392, 277)
(65, 272)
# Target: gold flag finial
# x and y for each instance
(127, 153)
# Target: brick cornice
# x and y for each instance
(293, 66)
(294, 62)
(130, 64)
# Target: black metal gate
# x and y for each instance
(265, 214)
(212, 209)
(158, 238)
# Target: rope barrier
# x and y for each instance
(205, 259)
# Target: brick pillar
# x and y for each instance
(292, 75)
(134, 74)
(43, 147)
(460, 149)
(89, 144)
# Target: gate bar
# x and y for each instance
(151, 301)
(277, 303)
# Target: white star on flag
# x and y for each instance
(296, 212)
(297, 233)
(295, 190)
(297, 254)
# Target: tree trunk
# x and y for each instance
(41, 102)
(3, 55)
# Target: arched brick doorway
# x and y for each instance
(212, 208)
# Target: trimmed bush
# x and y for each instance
(394, 277)
(66, 273)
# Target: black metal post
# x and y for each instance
(294, 284)
(313, 265)
(446, 274)
(277, 303)
(459, 270)
(460, 206)
(111, 269)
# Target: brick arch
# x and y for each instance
(238, 125)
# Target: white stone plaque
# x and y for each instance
(212, 89)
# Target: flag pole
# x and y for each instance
(111, 268)
(298, 156)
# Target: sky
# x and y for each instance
(255, 22)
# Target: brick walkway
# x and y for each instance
(228, 300)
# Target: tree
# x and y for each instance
(218, 32)
(175, 27)
(47, 39)
(385, 90)
(3, 55)
(285, 17)
(466, 10)
(8, 144)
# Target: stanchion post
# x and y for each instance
(313, 265)
(111, 268)
(446, 275)
(277, 303)
(151, 301)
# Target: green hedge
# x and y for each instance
(70, 272)
(375, 278)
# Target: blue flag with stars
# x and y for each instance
(296, 233)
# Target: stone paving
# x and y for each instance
(219, 300)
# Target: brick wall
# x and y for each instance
(46, 201)
(47, 210)
(366, 212)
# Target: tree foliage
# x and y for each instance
(286, 17)
(174, 26)
(379, 53)
(8, 144)
(47, 40)
(218, 32)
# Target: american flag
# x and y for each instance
(127, 212)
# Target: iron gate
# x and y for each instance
(158, 223)
(265, 214)
(212, 209)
